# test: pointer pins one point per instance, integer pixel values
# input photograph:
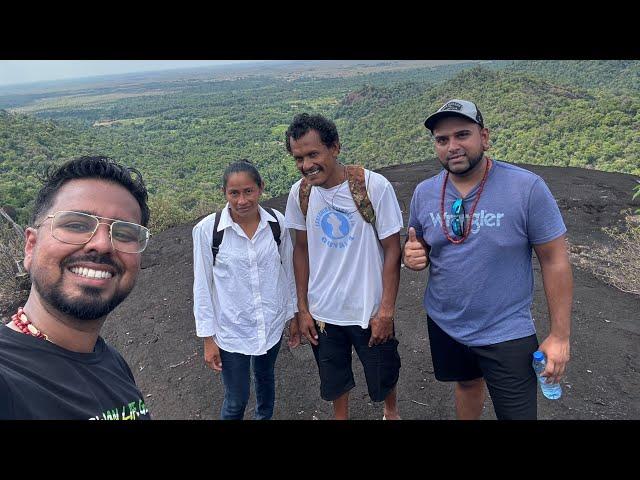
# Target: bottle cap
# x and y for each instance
(538, 356)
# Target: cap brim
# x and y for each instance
(432, 119)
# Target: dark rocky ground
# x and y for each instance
(154, 328)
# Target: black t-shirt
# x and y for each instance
(40, 380)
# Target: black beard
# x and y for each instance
(472, 164)
(89, 307)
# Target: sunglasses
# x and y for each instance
(78, 228)
(458, 217)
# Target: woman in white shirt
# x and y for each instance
(243, 300)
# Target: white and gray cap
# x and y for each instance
(462, 108)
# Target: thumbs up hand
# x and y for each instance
(415, 252)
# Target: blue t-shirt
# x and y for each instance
(480, 291)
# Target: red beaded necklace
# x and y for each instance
(21, 321)
(467, 227)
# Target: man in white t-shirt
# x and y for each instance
(346, 276)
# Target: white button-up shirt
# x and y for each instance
(244, 300)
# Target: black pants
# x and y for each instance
(505, 366)
(381, 363)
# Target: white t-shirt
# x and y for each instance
(345, 258)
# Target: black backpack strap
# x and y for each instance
(217, 237)
(275, 228)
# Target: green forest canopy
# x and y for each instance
(181, 135)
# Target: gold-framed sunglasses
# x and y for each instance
(77, 228)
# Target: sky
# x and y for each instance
(27, 71)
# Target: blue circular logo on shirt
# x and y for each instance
(335, 225)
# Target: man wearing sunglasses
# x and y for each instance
(475, 224)
(83, 255)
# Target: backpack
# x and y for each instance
(358, 189)
(218, 235)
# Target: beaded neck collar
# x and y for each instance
(21, 321)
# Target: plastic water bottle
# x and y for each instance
(550, 390)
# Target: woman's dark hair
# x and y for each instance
(103, 168)
(303, 123)
(243, 165)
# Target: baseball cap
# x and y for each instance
(462, 108)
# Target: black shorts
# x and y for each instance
(381, 363)
(505, 366)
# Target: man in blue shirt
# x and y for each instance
(475, 224)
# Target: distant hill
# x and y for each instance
(612, 75)
(183, 132)
(532, 121)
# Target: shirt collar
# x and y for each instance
(226, 220)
